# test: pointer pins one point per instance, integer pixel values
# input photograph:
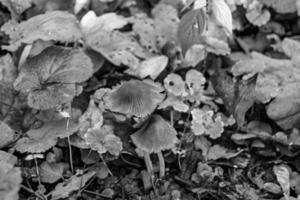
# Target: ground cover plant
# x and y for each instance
(149, 99)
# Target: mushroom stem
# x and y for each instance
(162, 166)
(148, 162)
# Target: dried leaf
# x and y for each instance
(217, 152)
(283, 177)
(63, 190)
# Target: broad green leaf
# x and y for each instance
(190, 28)
(56, 25)
(43, 138)
(8, 158)
(50, 77)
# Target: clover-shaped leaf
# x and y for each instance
(10, 179)
(103, 140)
(56, 25)
(41, 139)
(50, 77)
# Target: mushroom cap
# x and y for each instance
(134, 97)
(155, 135)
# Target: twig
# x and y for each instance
(33, 192)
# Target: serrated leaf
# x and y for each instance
(56, 25)
(190, 28)
(63, 190)
(103, 140)
(52, 172)
(41, 139)
(222, 14)
(50, 77)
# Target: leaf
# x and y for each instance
(194, 55)
(175, 85)
(101, 170)
(150, 67)
(56, 25)
(166, 23)
(91, 24)
(190, 29)
(222, 14)
(52, 172)
(288, 6)
(216, 152)
(204, 122)
(50, 77)
(291, 48)
(258, 16)
(91, 118)
(283, 177)
(10, 179)
(119, 48)
(8, 71)
(17, 7)
(41, 139)
(217, 46)
(144, 27)
(7, 135)
(103, 140)
(8, 158)
(63, 190)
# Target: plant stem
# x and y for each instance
(148, 162)
(162, 166)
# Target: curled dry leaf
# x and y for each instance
(56, 25)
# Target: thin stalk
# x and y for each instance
(162, 166)
(148, 162)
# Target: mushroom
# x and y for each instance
(153, 137)
(134, 97)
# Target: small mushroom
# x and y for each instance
(134, 97)
(153, 137)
